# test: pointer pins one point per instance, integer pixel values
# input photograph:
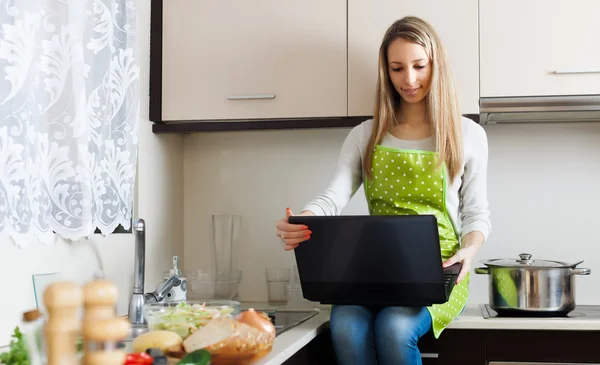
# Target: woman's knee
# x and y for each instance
(352, 334)
(402, 325)
(351, 321)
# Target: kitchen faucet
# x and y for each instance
(136, 303)
(159, 294)
(138, 298)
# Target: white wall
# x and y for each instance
(252, 174)
(159, 201)
(543, 192)
(544, 196)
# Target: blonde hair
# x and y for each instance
(443, 110)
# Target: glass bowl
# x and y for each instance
(203, 285)
(185, 317)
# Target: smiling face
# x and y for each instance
(409, 68)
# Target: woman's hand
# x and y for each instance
(292, 234)
(472, 242)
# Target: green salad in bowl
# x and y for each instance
(185, 318)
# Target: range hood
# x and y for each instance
(540, 109)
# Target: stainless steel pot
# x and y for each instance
(531, 287)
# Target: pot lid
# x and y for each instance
(525, 260)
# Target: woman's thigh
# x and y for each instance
(403, 322)
(352, 321)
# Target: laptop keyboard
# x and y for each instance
(449, 283)
(450, 276)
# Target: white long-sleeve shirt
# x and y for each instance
(466, 198)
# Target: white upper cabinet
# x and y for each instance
(253, 59)
(539, 47)
(455, 23)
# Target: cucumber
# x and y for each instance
(198, 357)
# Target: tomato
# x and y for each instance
(141, 358)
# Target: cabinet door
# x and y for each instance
(455, 23)
(253, 59)
(539, 47)
(543, 347)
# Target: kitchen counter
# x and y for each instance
(290, 342)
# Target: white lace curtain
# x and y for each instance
(69, 108)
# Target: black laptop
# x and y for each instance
(373, 260)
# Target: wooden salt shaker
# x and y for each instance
(63, 301)
(99, 299)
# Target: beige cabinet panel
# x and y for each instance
(454, 21)
(539, 47)
(254, 59)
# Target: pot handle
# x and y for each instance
(581, 271)
(482, 270)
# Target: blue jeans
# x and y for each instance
(368, 336)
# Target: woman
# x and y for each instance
(417, 155)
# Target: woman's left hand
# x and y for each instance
(472, 243)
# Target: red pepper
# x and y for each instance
(141, 358)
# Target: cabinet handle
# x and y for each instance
(567, 72)
(250, 97)
(429, 356)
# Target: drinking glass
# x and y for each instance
(277, 281)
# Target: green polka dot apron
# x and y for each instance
(506, 286)
(408, 182)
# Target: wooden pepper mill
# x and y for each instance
(63, 301)
(102, 331)
(99, 299)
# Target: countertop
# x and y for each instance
(288, 343)
(471, 318)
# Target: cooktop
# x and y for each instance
(588, 311)
(286, 320)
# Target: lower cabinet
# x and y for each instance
(482, 347)
(318, 352)
(573, 347)
(464, 347)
